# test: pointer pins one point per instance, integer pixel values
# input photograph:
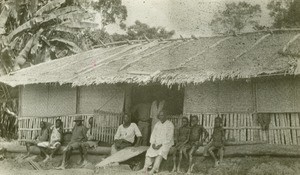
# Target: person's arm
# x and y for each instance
(118, 134)
(188, 137)
(153, 137)
(169, 135)
(206, 134)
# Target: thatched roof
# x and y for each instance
(169, 62)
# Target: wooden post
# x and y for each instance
(77, 100)
(127, 98)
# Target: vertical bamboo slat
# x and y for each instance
(293, 124)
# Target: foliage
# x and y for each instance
(137, 31)
(34, 31)
(286, 13)
(235, 17)
(111, 10)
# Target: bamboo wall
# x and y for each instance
(284, 128)
(30, 126)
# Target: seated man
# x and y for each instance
(217, 141)
(125, 135)
(40, 139)
(55, 140)
(162, 139)
(78, 137)
(183, 138)
(196, 139)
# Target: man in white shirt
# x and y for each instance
(125, 135)
(162, 139)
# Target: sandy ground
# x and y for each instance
(231, 166)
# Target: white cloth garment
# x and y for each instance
(55, 135)
(163, 133)
(156, 107)
(128, 133)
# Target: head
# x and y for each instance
(126, 119)
(58, 123)
(91, 121)
(162, 116)
(78, 120)
(43, 125)
(194, 120)
(185, 121)
(218, 121)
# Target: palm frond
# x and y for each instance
(49, 7)
(70, 45)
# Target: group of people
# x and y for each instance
(190, 137)
(50, 139)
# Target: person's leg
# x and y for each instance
(174, 160)
(43, 150)
(28, 145)
(180, 158)
(66, 156)
(57, 146)
(148, 162)
(211, 151)
(221, 153)
(205, 151)
(191, 152)
(84, 147)
(156, 164)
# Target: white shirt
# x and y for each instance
(128, 133)
(163, 133)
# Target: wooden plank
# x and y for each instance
(288, 131)
(293, 124)
(274, 132)
(297, 131)
(281, 123)
(245, 124)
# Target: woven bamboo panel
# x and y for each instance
(30, 126)
(106, 125)
(284, 128)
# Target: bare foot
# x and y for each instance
(174, 170)
(84, 163)
(217, 163)
(60, 167)
(144, 170)
(46, 159)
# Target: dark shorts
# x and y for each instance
(122, 144)
(74, 145)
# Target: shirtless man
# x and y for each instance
(196, 139)
(183, 138)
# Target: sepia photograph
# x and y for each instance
(143, 87)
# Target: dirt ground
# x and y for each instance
(12, 165)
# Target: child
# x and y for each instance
(217, 141)
(196, 139)
(183, 138)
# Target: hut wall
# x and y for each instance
(108, 98)
(47, 100)
(265, 110)
(219, 97)
(278, 95)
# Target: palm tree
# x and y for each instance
(34, 31)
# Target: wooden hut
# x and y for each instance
(251, 80)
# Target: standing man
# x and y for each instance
(162, 139)
(144, 121)
(78, 138)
